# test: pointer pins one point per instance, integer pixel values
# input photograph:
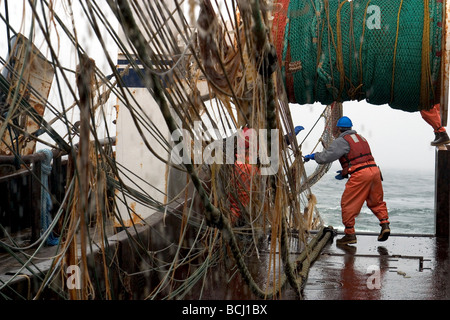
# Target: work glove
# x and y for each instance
(297, 129)
(309, 157)
(339, 175)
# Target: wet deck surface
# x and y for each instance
(37, 260)
(402, 268)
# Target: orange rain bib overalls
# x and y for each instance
(364, 183)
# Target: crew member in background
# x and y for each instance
(364, 183)
(244, 172)
(433, 118)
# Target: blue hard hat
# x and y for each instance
(344, 122)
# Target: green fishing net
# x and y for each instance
(384, 52)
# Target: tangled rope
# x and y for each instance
(214, 217)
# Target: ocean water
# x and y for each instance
(409, 197)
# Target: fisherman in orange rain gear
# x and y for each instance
(244, 172)
(364, 184)
(242, 179)
(242, 183)
(433, 118)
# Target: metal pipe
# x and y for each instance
(27, 159)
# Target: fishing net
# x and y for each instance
(212, 79)
(386, 52)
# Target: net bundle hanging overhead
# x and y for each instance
(386, 52)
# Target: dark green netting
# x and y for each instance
(363, 49)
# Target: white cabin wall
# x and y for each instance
(131, 151)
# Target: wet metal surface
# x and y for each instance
(402, 268)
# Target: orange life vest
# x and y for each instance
(359, 153)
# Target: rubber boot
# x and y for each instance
(385, 232)
(441, 138)
(347, 239)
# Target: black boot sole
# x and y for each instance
(339, 242)
(384, 235)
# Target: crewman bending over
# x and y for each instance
(364, 183)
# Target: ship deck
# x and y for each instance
(405, 267)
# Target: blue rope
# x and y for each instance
(46, 200)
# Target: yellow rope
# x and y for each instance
(395, 51)
(425, 82)
(339, 51)
(330, 33)
(362, 41)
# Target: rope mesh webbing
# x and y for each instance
(387, 52)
